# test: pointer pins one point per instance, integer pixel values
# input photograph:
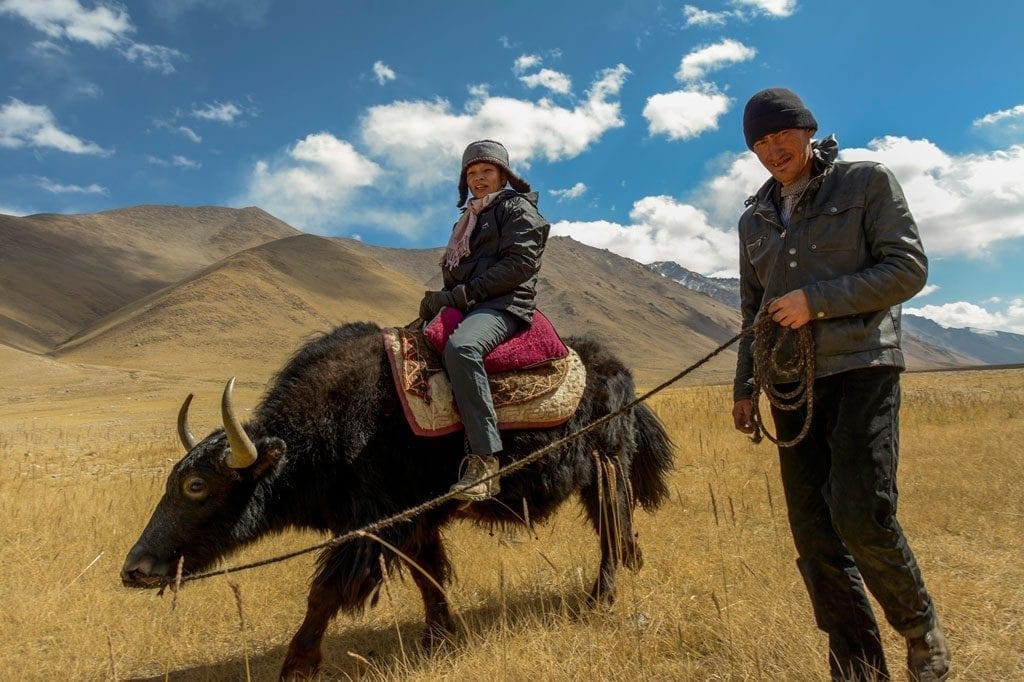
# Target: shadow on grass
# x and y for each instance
(379, 646)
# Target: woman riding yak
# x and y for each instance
(490, 273)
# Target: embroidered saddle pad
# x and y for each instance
(541, 396)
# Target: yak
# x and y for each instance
(328, 448)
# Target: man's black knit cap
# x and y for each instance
(772, 110)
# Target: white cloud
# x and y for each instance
(29, 125)
(58, 188)
(177, 161)
(574, 192)
(99, 26)
(1006, 124)
(962, 314)
(311, 185)
(190, 134)
(221, 112)
(927, 290)
(964, 204)
(423, 140)
(155, 57)
(555, 81)
(526, 62)
(661, 228)
(383, 73)
(102, 26)
(685, 114)
(695, 16)
(704, 60)
(773, 8)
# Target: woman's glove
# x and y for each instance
(433, 301)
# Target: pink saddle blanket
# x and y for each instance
(532, 346)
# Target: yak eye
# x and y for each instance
(195, 487)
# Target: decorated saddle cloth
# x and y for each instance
(535, 381)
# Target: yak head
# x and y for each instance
(209, 505)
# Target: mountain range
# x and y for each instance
(211, 291)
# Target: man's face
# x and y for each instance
(484, 178)
(786, 154)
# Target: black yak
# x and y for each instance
(329, 449)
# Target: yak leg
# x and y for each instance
(607, 505)
(348, 576)
(430, 574)
(304, 656)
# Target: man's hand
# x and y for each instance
(791, 310)
(743, 415)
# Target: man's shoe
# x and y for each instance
(928, 656)
(470, 487)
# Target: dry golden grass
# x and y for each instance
(719, 597)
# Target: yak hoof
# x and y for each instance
(600, 596)
(437, 635)
(300, 667)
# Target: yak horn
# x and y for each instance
(184, 433)
(243, 452)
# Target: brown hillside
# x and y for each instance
(246, 314)
(60, 273)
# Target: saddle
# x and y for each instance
(536, 380)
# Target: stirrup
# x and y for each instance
(469, 486)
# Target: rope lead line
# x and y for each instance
(762, 320)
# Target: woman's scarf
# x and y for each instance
(458, 243)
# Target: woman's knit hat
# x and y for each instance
(772, 110)
(488, 151)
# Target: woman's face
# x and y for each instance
(484, 178)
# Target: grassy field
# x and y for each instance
(82, 465)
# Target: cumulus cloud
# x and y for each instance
(662, 228)
(962, 314)
(685, 114)
(190, 134)
(704, 60)
(574, 192)
(102, 26)
(312, 183)
(555, 81)
(525, 62)
(423, 140)
(1006, 124)
(697, 107)
(383, 73)
(772, 8)
(964, 204)
(58, 188)
(29, 125)
(927, 290)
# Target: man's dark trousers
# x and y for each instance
(840, 486)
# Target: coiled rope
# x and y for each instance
(763, 323)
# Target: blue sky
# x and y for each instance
(348, 118)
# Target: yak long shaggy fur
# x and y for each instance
(336, 454)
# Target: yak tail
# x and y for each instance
(653, 459)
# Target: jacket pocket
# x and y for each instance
(758, 251)
(836, 227)
(841, 335)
